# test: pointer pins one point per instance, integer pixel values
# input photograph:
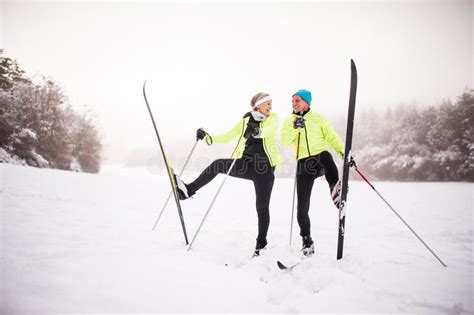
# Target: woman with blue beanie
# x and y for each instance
(256, 156)
(312, 133)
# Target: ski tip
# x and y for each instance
(143, 89)
(281, 266)
(354, 72)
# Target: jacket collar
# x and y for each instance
(257, 115)
(304, 112)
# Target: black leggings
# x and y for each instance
(259, 171)
(308, 170)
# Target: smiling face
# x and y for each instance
(299, 104)
(265, 108)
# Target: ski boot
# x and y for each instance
(336, 193)
(308, 246)
(182, 189)
(261, 244)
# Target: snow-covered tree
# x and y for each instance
(10, 73)
(436, 143)
(85, 143)
(39, 127)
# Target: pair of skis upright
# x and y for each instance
(346, 167)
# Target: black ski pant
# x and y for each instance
(308, 170)
(259, 171)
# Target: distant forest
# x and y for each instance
(39, 127)
(408, 142)
(416, 143)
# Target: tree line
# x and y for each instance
(39, 127)
(409, 143)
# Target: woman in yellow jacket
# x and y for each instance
(257, 154)
(314, 159)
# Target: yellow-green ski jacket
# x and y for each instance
(315, 136)
(268, 128)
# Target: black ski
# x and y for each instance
(168, 168)
(347, 159)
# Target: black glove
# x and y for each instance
(252, 130)
(352, 162)
(298, 122)
(200, 134)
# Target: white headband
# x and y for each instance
(263, 100)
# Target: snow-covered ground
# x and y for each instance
(82, 243)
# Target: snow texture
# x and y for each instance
(82, 243)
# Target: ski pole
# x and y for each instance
(212, 203)
(171, 193)
(398, 215)
(294, 185)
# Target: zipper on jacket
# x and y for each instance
(266, 151)
(307, 142)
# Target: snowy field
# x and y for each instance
(82, 243)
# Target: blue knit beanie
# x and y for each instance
(305, 95)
